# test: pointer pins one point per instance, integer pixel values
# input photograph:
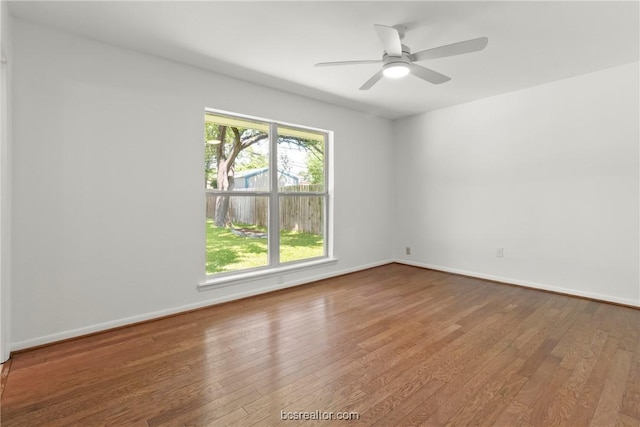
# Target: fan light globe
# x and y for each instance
(396, 70)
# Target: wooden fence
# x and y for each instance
(297, 213)
(249, 210)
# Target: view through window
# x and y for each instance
(266, 192)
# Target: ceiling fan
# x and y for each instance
(398, 61)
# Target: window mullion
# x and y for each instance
(274, 202)
(325, 161)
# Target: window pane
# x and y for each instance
(236, 232)
(301, 227)
(300, 160)
(236, 154)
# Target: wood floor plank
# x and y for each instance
(627, 421)
(592, 390)
(373, 368)
(4, 374)
(487, 402)
(631, 399)
(515, 414)
(396, 345)
(442, 406)
(547, 395)
(564, 399)
(386, 354)
(430, 374)
(614, 385)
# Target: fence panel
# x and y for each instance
(249, 210)
(302, 213)
(297, 213)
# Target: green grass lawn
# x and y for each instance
(229, 252)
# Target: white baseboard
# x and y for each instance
(100, 327)
(517, 282)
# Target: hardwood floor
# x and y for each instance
(4, 373)
(396, 345)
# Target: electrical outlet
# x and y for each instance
(407, 250)
(500, 252)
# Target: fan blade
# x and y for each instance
(459, 48)
(427, 74)
(390, 39)
(364, 61)
(373, 80)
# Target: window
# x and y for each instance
(267, 199)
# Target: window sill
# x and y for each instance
(235, 279)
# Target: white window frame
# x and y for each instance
(275, 268)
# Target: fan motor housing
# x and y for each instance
(405, 58)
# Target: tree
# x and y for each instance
(250, 158)
(230, 143)
(315, 169)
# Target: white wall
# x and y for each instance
(549, 173)
(108, 198)
(5, 180)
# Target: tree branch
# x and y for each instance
(241, 144)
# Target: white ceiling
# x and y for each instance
(277, 43)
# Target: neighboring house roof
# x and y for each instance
(249, 173)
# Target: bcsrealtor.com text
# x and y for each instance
(318, 415)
